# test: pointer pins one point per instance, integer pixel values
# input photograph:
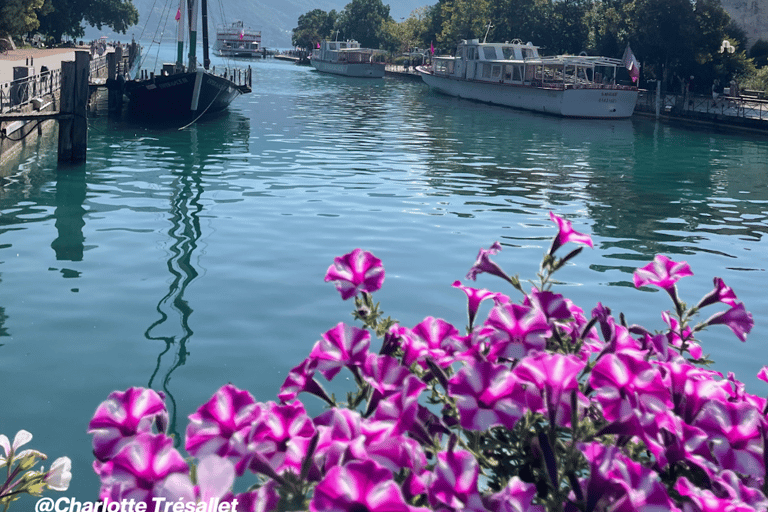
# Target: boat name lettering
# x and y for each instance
(609, 94)
(171, 84)
(221, 87)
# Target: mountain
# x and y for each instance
(275, 18)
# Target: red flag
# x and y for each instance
(242, 34)
(178, 14)
(318, 45)
(431, 48)
(630, 62)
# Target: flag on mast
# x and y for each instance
(630, 62)
(178, 14)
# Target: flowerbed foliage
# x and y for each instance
(538, 407)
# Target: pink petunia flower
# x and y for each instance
(344, 345)
(721, 293)
(484, 264)
(704, 500)
(357, 486)
(566, 234)
(453, 483)
(515, 497)
(763, 374)
(514, 330)
(475, 296)
(278, 439)
(555, 376)
(301, 379)
(630, 391)
(355, 272)
(432, 338)
(661, 272)
(734, 435)
(139, 471)
(738, 319)
(484, 396)
(220, 425)
(123, 416)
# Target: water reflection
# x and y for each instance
(70, 216)
(172, 329)
(173, 309)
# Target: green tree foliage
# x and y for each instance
(66, 17)
(463, 19)
(18, 17)
(364, 21)
(759, 53)
(313, 27)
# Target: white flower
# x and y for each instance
(60, 474)
(22, 437)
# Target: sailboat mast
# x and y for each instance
(192, 35)
(206, 57)
(180, 34)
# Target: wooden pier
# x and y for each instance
(61, 95)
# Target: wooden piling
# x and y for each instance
(73, 132)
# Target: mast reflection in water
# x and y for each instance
(173, 308)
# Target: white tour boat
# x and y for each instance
(514, 75)
(237, 40)
(348, 59)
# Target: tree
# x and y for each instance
(20, 16)
(66, 17)
(759, 53)
(364, 21)
(463, 19)
(313, 27)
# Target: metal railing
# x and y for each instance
(19, 93)
(742, 106)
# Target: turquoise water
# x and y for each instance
(188, 259)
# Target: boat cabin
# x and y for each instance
(518, 63)
(344, 52)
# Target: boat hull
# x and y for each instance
(241, 54)
(181, 95)
(602, 103)
(356, 69)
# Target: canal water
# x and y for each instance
(187, 259)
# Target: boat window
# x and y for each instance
(528, 53)
(486, 70)
(508, 72)
(496, 71)
(332, 46)
(529, 71)
(471, 53)
(517, 74)
(489, 52)
(508, 52)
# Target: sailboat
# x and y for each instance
(191, 91)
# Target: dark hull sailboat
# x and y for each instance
(182, 95)
(190, 92)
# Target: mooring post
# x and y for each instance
(73, 131)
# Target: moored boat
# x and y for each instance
(347, 58)
(186, 92)
(513, 74)
(237, 40)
